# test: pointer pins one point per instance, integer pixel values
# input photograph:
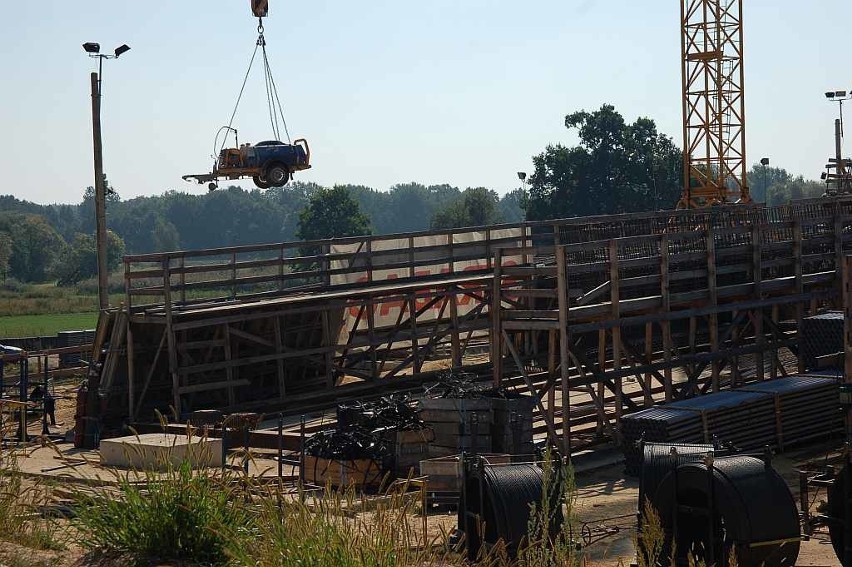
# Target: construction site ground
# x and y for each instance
(606, 501)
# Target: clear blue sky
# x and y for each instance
(389, 91)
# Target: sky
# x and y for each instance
(462, 92)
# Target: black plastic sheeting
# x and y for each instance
(391, 412)
(349, 444)
(752, 509)
(745, 418)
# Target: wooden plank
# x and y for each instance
(208, 386)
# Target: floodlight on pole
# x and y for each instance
(94, 50)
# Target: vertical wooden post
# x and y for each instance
(455, 339)
(757, 275)
(800, 289)
(601, 389)
(330, 345)
(562, 299)
(229, 371)
(279, 349)
(170, 335)
(774, 361)
(131, 366)
(666, 324)
(182, 278)
(714, 317)
(649, 353)
(496, 318)
(233, 275)
(552, 341)
(415, 343)
(281, 268)
(615, 300)
(846, 298)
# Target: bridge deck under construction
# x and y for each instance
(596, 316)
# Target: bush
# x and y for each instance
(19, 502)
(176, 515)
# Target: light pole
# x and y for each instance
(840, 165)
(94, 50)
(764, 162)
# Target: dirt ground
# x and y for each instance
(606, 501)
(606, 507)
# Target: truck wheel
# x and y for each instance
(260, 182)
(277, 175)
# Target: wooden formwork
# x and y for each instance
(597, 316)
(696, 303)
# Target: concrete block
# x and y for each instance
(155, 451)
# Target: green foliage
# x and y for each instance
(617, 167)
(775, 185)
(180, 515)
(80, 260)
(19, 502)
(475, 207)
(165, 236)
(35, 246)
(5, 255)
(332, 213)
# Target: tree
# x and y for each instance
(476, 207)
(165, 236)
(35, 246)
(5, 254)
(332, 213)
(80, 260)
(617, 167)
(513, 205)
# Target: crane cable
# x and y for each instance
(272, 98)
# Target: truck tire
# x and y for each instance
(261, 182)
(277, 175)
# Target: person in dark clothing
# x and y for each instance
(50, 407)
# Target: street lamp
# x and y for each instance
(94, 50)
(764, 162)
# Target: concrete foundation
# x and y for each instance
(158, 451)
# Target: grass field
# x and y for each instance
(28, 310)
(45, 324)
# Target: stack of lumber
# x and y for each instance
(459, 424)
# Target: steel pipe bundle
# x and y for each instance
(776, 413)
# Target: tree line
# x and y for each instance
(616, 167)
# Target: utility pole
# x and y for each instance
(100, 195)
(94, 51)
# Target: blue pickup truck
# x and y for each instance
(268, 164)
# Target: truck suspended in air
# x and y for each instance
(271, 163)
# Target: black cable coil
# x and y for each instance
(497, 502)
(839, 494)
(752, 510)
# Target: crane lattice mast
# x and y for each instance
(713, 103)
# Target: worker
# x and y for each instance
(50, 407)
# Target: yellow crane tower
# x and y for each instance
(714, 168)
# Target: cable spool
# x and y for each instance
(496, 504)
(838, 510)
(733, 503)
(659, 459)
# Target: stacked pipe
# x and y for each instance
(822, 335)
(776, 412)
